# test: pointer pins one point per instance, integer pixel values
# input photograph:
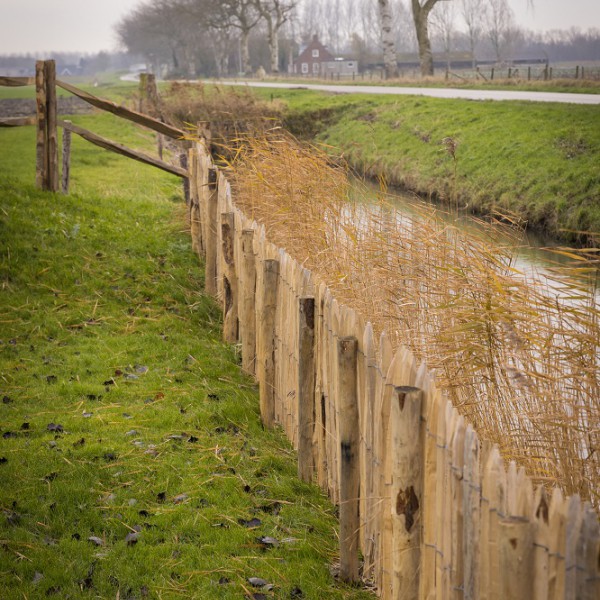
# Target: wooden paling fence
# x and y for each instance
(432, 510)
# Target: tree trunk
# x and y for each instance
(421, 18)
(274, 47)
(244, 52)
(387, 39)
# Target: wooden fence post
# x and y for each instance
(266, 361)
(41, 167)
(143, 91)
(66, 159)
(306, 387)
(52, 139)
(350, 468)
(47, 136)
(230, 281)
(210, 276)
(247, 312)
(407, 489)
(516, 558)
(184, 163)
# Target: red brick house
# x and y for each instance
(313, 58)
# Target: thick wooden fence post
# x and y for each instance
(41, 167)
(210, 275)
(230, 280)
(306, 387)
(266, 360)
(66, 159)
(350, 468)
(407, 489)
(247, 310)
(516, 558)
(47, 136)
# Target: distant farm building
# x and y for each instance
(316, 61)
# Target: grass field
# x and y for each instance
(132, 459)
(537, 162)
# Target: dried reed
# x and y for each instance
(516, 352)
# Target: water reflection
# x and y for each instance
(529, 255)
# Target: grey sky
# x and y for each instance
(88, 25)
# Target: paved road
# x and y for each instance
(564, 98)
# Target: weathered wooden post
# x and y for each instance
(407, 489)
(66, 158)
(306, 387)
(47, 136)
(230, 282)
(248, 302)
(516, 558)
(266, 360)
(577, 72)
(143, 91)
(41, 166)
(210, 275)
(350, 468)
(51, 124)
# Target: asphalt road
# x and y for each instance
(497, 95)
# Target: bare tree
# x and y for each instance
(443, 20)
(499, 23)
(473, 14)
(388, 42)
(275, 13)
(421, 10)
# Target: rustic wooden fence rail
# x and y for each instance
(47, 163)
(432, 510)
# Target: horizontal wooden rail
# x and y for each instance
(17, 121)
(125, 113)
(16, 81)
(123, 150)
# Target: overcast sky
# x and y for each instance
(88, 25)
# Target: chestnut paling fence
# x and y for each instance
(432, 510)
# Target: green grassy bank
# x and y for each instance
(537, 161)
(132, 459)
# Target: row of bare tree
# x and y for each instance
(211, 36)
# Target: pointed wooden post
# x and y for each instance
(306, 387)
(230, 281)
(350, 468)
(407, 489)
(266, 361)
(247, 309)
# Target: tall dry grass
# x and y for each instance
(518, 359)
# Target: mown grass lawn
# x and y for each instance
(133, 463)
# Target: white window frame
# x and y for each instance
(315, 53)
(305, 68)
